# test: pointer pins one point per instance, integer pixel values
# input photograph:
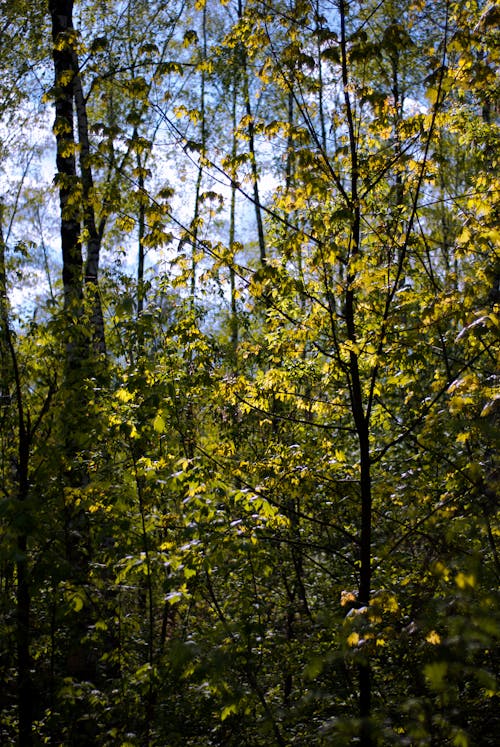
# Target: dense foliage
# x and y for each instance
(249, 373)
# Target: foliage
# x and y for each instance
(249, 488)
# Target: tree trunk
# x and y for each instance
(251, 149)
(79, 659)
(232, 227)
(361, 419)
(10, 378)
(94, 236)
(4, 321)
(67, 180)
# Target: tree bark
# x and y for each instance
(75, 195)
(23, 595)
(232, 226)
(4, 321)
(10, 379)
(67, 179)
(251, 149)
(361, 419)
(94, 236)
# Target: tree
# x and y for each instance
(266, 512)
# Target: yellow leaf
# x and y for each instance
(227, 711)
(463, 581)
(159, 424)
(125, 223)
(346, 597)
(124, 395)
(353, 639)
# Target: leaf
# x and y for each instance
(159, 423)
(76, 600)
(353, 639)
(125, 223)
(314, 667)
(228, 710)
(461, 739)
(435, 674)
(465, 581)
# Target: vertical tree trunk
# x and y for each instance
(254, 167)
(141, 232)
(251, 149)
(361, 420)
(23, 596)
(4, 321)
(75, 193)
(10, 378)
(232, 225)
(67, 180)
(94, 236)
(199, 177)
(141, 252)
(321, 88)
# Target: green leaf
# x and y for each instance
(435, 674)
(228, 710)
(159, 424)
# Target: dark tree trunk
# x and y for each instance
(79, 658)
(67, 179)
(94, 235)
(10, 379)
(25, 685)
(75, 190)
(25, 690)
(4, 321)
(360, 417)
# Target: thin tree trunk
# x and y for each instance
(10, 377)
(232, 227)
(255, 171)
(321, 102)
(151, 693)
(4, 321)
(23, 596)
(141, 252)
(361, 420)
(199, 177)
(141, 232)
(251, 149)
(94, 236)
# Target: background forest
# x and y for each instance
(249, 315)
